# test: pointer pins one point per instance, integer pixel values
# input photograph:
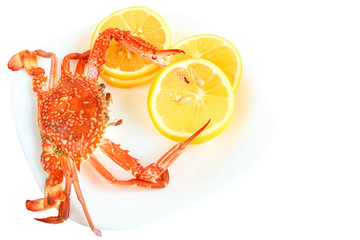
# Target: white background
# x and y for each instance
(305, 56)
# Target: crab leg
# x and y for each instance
(64, 207)
(75, 181)
(80, 68)
(131, 42)
(161, 182)
(53, 67)
(53, 195)
(28, 60)
(155, 175)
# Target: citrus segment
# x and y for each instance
(142, 22)
(185, 95)
(215, 49)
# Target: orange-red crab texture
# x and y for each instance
(72, 118)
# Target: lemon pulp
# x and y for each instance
(186, 95)
(214, 48)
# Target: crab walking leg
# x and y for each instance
(53, 66)
(64, 207)
(80, 68)
(75, 181)
(84, 58)
(53, 195)
(131, 42)
(150, 174)
(28, 60)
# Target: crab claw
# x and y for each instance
(142, 48)
(158, 57)
(133, 43)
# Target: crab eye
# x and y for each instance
(102, 87)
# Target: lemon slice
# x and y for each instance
(142, 22)
(215, 49)
(120, 83)
(186, 95)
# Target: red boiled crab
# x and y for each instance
(72, 117)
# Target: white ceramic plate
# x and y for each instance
(201, 170)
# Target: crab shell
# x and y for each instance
(73, 116)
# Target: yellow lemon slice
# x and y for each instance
(120, 83)
(215, 49)
(186, 95)
(142, 22)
